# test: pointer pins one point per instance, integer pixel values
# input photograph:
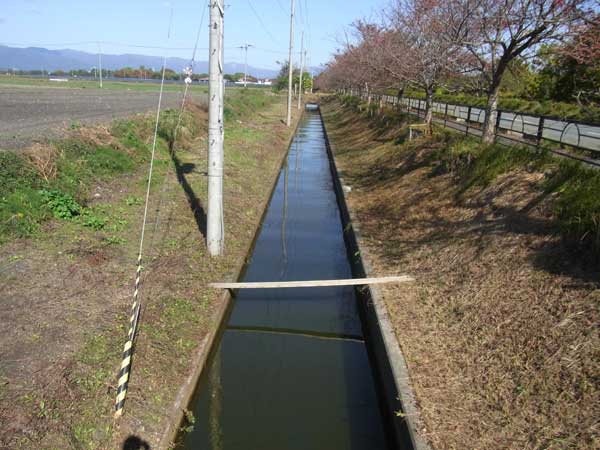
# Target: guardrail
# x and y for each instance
(523, 128)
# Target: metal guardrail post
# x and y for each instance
(468, 119)
(446, 115)
(497, 125)
(540, 130)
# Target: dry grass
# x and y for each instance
(501, 329)
(43, 159)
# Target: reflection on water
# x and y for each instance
(291, 370)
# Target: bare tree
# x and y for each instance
(423, 51)
(497, 31)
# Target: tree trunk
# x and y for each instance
(429, 110)
(491, 114)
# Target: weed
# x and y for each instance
(62, 205)
(190, 421)
(92, 221)
(116, 240)
(133, 201)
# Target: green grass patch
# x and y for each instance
(243, 103)
(577, 207)
(481, 164)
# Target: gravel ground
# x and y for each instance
(33, 114)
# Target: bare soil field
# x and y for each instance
(500, 330)
(36, 113)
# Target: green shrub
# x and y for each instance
(63, 206)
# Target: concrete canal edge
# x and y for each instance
(384, 347)
(188, 388)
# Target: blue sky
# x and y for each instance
(123, 24)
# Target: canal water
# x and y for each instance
(291, 370)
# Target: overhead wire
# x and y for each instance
(285, 12)
(260, 21)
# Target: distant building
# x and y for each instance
(258, 82)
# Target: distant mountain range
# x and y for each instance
(35, 58)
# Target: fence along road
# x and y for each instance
(511, 126)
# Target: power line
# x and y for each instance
(262, 24)
(278, 52)
(282, 8)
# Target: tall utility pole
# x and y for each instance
(301, 70)
(214, 228)
(245, 47)
(290, 67)
(100, 62)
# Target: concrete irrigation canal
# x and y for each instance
(292, 369)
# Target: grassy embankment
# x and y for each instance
(70, 220)
(500, 330)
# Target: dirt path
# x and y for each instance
(66, 296)
(29, 114)
(500, 330)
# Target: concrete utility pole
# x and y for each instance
(100, 63)
(301, 69)
(214, 228)
(245, 47)
(290, 67)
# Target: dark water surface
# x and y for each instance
(291, 370)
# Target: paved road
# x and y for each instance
(30, 114)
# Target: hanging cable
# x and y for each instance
(125, 370)
(191, 70)
(262, 24)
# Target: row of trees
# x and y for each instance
(466, 44)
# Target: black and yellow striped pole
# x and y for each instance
(125, 369)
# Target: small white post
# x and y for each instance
(100, 62)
